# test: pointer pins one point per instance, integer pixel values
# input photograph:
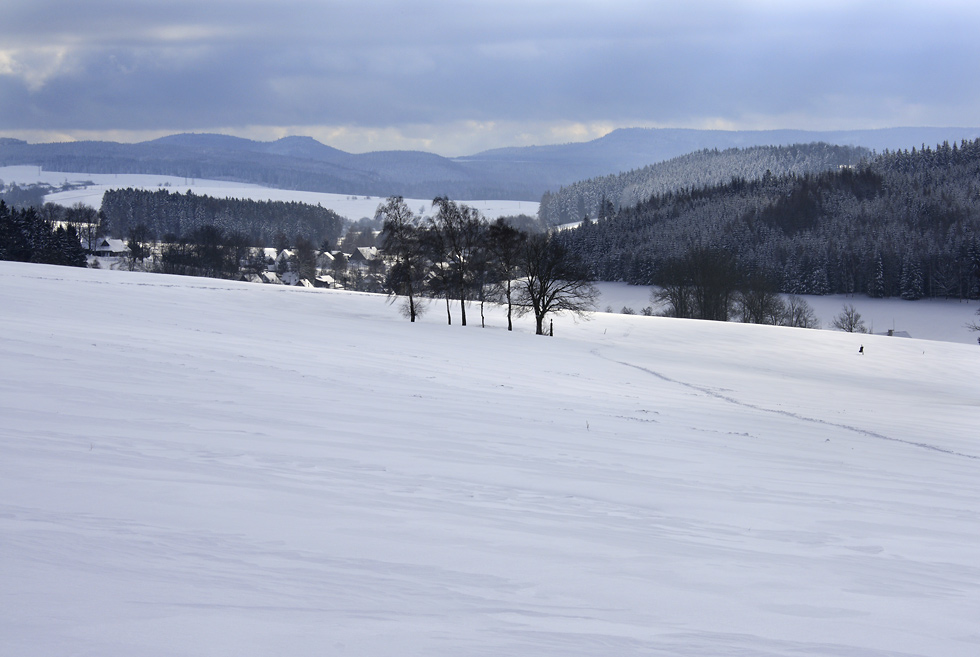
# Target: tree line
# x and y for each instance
(171, 216)
(27, 236)
(905, 224)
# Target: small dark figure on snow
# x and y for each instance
(861, 350)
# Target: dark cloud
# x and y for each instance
(384, 64)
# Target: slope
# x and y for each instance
(199, 467)
(693, 170)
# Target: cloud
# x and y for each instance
(380, 67)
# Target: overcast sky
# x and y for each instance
(459, 76)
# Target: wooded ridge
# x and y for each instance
(905, 223)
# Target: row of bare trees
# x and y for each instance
(705, 283)
(458, 256)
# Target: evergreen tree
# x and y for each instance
(876, 289)
(911, 280)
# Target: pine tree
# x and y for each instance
(876, 289)
(911, 279)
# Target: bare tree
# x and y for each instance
(139, 244)
(974, 325)
(305, 256)
(86, 223)
(849, 320)
(758, 302)
(401, 245)
(441, 278)
(340, 267)
(459, 230)
(212, 256)
(798, 313)
(553, 281)
(675, 290)
(713, 274)
(699, 285)
(506, 244)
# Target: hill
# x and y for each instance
(698, 169)
(523, 173)
(200, 467)
(902, 224)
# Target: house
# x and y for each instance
(363, 255)
(284, 261)
(107, 248)
(270, 277)
(324, 260)
(269, 257)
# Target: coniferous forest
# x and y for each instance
(26, 236)
(163, 213)
(595, 197)
(906, 223)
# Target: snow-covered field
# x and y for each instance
(198, 467)
(928, 319)
(351, 207)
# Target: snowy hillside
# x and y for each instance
(93, 185)
(198, 467)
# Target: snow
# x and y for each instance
(928, 319)
(94, 185)
(201, 467)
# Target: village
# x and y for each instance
(360, 269)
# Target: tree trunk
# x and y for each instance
(539, 321)
(462, 311)
(449, 314)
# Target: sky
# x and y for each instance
(456, 77)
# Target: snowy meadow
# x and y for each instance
(88, 189)
(201, 467)
(928, 319)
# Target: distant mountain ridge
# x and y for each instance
(518, 173)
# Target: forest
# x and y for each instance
(28, 236)
(597, 197)
(171, 216)
(905, 223)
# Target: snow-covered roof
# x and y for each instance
(110, 245)
(271, 277)
(366, 253)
